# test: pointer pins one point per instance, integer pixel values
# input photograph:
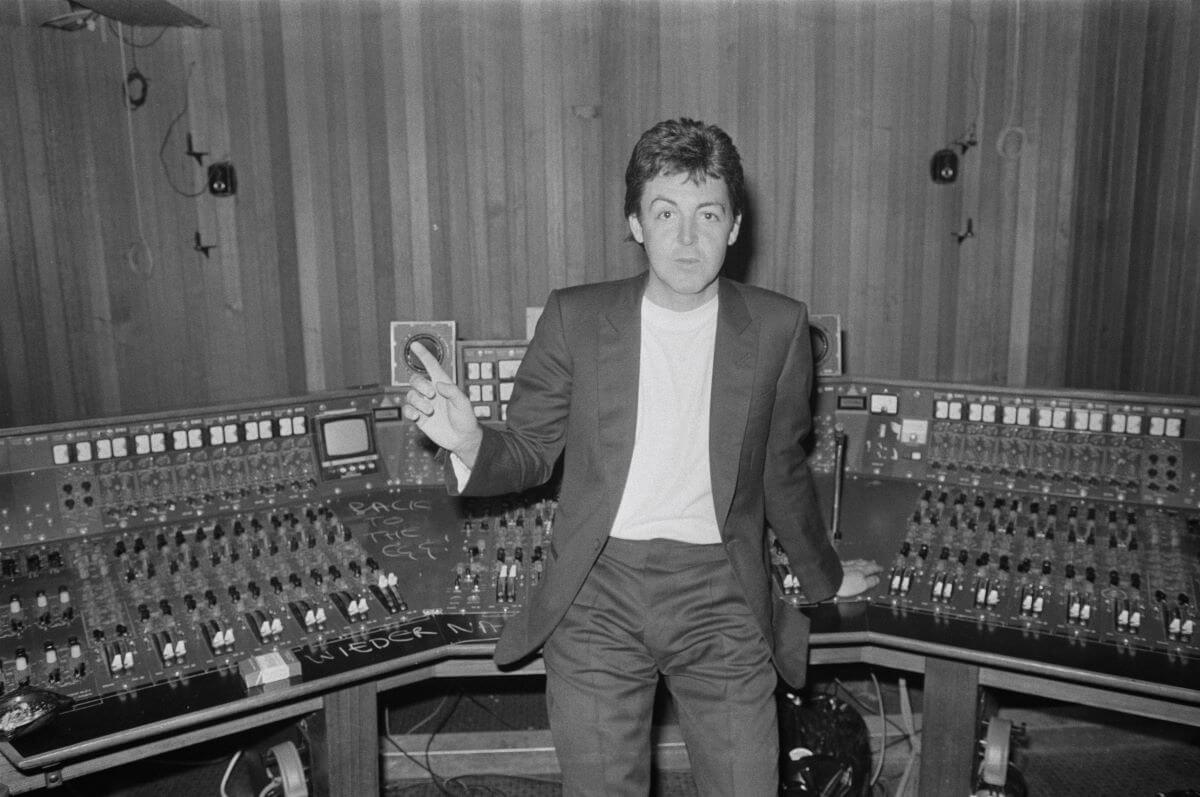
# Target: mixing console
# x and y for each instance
(162, 565)
(1064, 516)
(140, 555)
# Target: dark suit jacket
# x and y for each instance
(577, 389)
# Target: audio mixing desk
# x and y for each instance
(179, 576)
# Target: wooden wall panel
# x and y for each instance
(426, 159)
(1133, 279)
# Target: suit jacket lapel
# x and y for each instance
(619, 357)
(733, 380)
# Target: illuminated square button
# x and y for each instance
(488, 392)
(1117, 423)
(1024, 416)
(1133, 424)
(989, 413)
(298, 424)
(61, 454)
(941, 409)
(1096, 421)
(483, 411)
(1158, 426)
(487, 370)
(216, 435)
(141, 444)
(885, 404)
(158, 442)
(474, 393)
(974, 412)
(1009, 415)
(508, 368)
(120, 446)
(264, 430)
(104, 449)
(250, 431)
(1174, 427)
(196, 438)
(914, 432)
(956, 410)
(231, 433)
(472, 370)
(1059, 418)
(179, 440)
(506, 389)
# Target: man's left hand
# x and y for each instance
(858, 576)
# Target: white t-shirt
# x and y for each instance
(668, 493)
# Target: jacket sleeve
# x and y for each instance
(522, 454)
(791, 505)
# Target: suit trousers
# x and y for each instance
(651, 607)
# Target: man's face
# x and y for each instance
(685, 227)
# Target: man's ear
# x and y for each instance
(733, 234)
(635, 229)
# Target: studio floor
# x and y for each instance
(478, 739)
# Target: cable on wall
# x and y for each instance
(162, 148)
(1011, 138)
(139, 245)
(968, 138)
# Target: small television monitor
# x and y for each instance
(347, 444)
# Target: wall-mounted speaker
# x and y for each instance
(943, 166)
(438, 337)
(222, 179)
(826, 334)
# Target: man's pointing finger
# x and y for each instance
(432, 366)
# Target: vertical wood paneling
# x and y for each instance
(512, 267)
(357, 306)
(418, 159)
(403, 100)
(216, 217)
(538, 232)
(95, 322)
(1167, 163)
(794, 256)
(249, 98)
(1134, 292)
(38, 277)
(1122, 167)
(306, 116)
(1030, 66)
(1048, 306)
(856, 221)
(280, 202)
(927, 255)
(827, 259)
(15, 379)
(547, 53)
(479, 112)
(1180, 340)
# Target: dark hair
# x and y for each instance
(684, 146)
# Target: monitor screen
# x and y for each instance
(346, 437)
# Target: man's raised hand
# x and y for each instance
(441, 410)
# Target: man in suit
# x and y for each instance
(679, 401)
